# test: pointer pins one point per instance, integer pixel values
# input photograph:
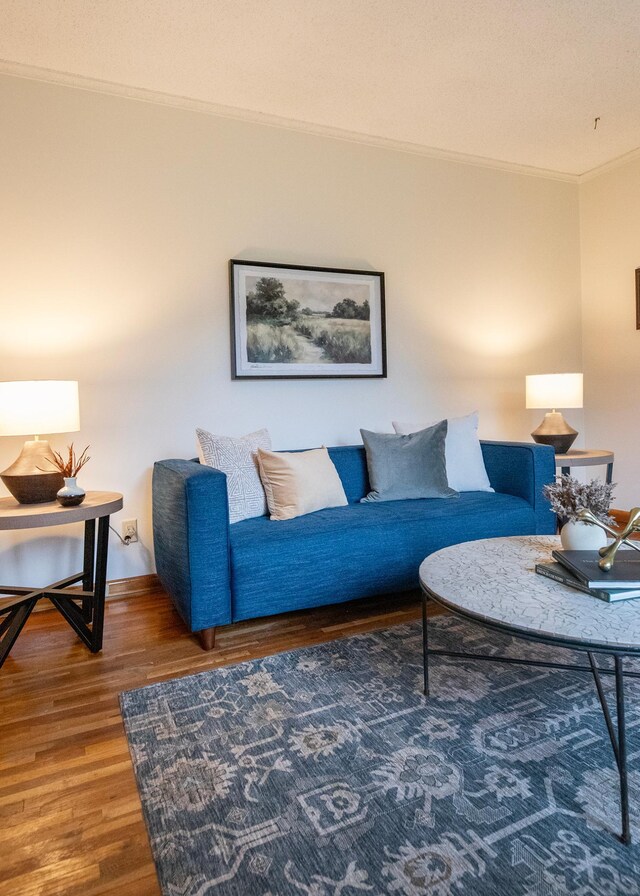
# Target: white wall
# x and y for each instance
(610, 240)
(118, 220)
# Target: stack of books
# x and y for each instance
(580, 570)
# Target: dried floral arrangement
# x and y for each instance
(568, 496)
(71, 466)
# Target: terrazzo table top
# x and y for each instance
(494, 580)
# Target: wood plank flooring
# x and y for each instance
(70, 816)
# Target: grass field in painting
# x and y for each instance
(309, 340)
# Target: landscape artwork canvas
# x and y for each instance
(292, 321)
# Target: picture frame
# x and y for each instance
(302, 322)
(637, 298)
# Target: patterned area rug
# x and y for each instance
(324, 772)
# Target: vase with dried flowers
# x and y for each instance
(569, 496)
(71, 494)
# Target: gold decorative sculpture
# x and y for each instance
(608, 553)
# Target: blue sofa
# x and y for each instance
(218, 573)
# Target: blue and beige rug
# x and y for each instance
(324, 772)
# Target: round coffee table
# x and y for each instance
(493, 582)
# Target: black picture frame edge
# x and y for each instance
(306, 376)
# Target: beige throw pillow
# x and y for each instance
(299, 482)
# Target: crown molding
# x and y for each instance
(610, 166)
(142, 94)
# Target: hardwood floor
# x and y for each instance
(70, 817)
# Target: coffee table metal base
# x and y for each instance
(617, 732)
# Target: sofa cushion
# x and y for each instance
(359, 550)
(351, 463)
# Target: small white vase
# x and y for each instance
(71, 494)
(578, 536)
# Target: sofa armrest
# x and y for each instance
(522, 469)
(191, 540)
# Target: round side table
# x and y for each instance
(586, 458)
(82, 608)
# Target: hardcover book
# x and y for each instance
(584, 565)
(559, 573)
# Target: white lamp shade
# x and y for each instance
(554, 390)
(39, 407)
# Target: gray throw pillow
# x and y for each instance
(411, 466)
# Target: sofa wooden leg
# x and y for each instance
(207, 638)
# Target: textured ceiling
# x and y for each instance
(519, 81)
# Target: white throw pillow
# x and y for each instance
(299, 482)
(237, 457)
(466, 471)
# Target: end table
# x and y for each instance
(586, 458)
(83, 609)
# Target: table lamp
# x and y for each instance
(43, 407)
(555, 390)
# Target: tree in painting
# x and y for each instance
(269, 301)
(350, 310)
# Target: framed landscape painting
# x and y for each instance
(306, 322)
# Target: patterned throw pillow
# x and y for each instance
(237, 457)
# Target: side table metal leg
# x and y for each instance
(622, 751)
(565, 470)
(88, 567)
(13, 624)
(609, 473)
(425, 645)
(100, 584)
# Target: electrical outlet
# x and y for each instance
(130, 531)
